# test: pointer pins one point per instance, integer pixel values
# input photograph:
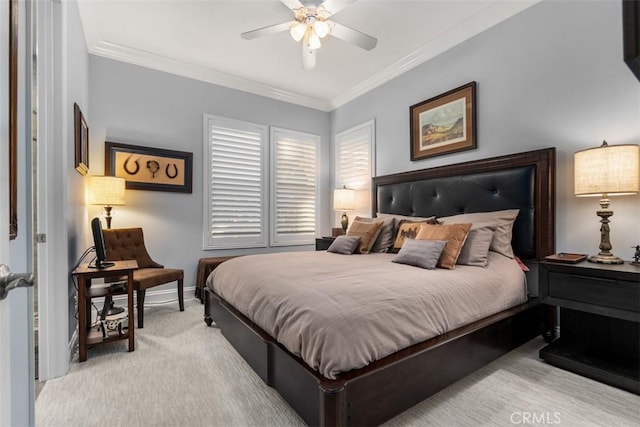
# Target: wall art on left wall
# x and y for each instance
(81, 137)
(146, 168)
(13, 119)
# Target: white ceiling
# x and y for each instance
(201, 39)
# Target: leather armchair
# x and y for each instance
(128, 243)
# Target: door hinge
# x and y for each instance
(41, 238)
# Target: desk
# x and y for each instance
(85, 274)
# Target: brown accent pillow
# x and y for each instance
(408, 229)
(368, 232)
(398, 218)
(386, 235)
(454, 234)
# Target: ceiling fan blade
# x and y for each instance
(334, 6)
(350, 35)
(265, 31)
(292, 4)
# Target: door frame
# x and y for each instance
(17, 391)
(55, 347)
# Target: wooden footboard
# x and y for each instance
(376, 393)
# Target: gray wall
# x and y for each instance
(135, 105)
(552, 76)
(75, 89)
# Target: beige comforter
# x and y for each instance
(340, 312)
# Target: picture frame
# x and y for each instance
(147, 168)
(81, 139)
(13, 119)
(630, 35)
(444, 124)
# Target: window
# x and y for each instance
(235, 184)
(294, 191)
(355, 160)
(238, 190)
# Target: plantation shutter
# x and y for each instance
(236, 184)
(354, 164)
(294, 187)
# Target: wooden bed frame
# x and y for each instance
(387, 387)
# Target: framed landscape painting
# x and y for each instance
(444, 124)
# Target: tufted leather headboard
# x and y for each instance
(524, 181)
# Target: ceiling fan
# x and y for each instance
(311, 23)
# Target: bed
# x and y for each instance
(387, 386)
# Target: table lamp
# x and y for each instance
(344, 200)
(609, 170)
(107, 191)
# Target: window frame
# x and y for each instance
(363, 196)
(276, 240)
(210, 242)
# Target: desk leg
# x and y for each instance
(132, 326)
(82, 319)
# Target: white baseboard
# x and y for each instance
(73, 346)
(151, 298)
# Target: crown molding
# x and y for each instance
(483, 20)
(197, 72)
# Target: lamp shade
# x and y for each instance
(106, 190)
(343, 199)
(608, 169)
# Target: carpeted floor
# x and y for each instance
(184, 373)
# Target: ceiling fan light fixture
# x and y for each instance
(314, 40)
(321, 28)
(298, 30)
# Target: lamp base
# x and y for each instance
(344, 222)
(605, 259)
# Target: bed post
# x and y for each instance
(333, 406)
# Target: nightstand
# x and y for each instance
(599, 320)
(323, 243)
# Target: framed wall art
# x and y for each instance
(81, 139)
(146, 168)
(13, 119)
(444, 124)
(631, 35)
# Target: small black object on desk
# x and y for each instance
(636, 255)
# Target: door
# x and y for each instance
(16, 311)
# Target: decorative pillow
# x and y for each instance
(407, 229)
(344, 245)
(420, 253)
(368, 232)
(399, 218)
(454, 234)
(387, 233)
(475, 250)
(501, 242)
